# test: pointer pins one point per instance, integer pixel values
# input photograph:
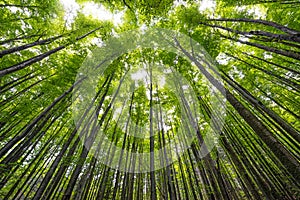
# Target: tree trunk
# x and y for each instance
(291, 164)
(260, 21)
(40, 57)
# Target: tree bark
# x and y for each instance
(26, 46)
(287, 159)
(264, 22)
(40, 57)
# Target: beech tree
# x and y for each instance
(215, 118)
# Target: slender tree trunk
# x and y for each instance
(268, 36)
(19, 6)
(152, 169)
(26, 46)
(289, 54)
(256, 103)
(291, 164)
(20, 38)
(264, 22)
(40, 57)
(17, 138)
(272, 63)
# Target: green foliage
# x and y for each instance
(253, 60)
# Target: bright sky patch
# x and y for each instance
(95, 10)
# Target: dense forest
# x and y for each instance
(150, 99)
